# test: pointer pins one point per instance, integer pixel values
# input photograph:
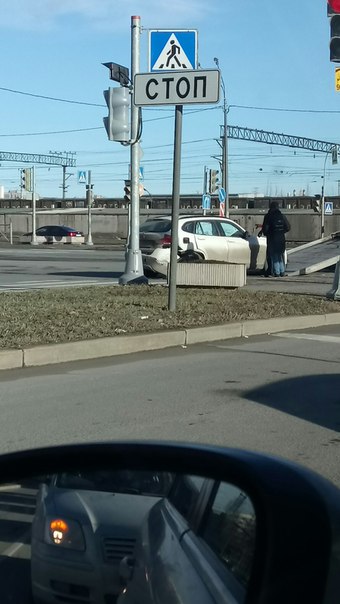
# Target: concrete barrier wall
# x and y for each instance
(305, 224)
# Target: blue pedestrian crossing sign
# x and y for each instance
(221, 194)
(171, 50)
(329, 208)
(82, 177)
(206, 201)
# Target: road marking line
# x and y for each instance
(15, 547)
(54, 285)
(52, 281)
(307, 336)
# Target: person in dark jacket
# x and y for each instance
(275, 225)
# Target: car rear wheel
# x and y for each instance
(148, 272)
(190, 256)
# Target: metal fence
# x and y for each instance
(6, 231)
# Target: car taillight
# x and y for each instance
(166, 241)
(72, 234)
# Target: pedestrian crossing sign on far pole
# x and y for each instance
(171, 50)
(329, 208)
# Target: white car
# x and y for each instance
(200, 237)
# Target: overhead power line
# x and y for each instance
(231, 106)
(284, 109)
(51, 98)
(51, 132)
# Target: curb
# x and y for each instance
(51, 354)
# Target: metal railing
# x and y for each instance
(6, 231)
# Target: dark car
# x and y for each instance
(55, 234)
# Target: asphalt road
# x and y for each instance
(17, 507)
(277, 394)
(33, 268)
(24, 267)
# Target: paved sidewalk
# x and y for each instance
(317, 284)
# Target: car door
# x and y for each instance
(195, 546)
(238, 246)
(242, 247)
(42, 234)
(58, 233)
(208, 240)
(161, 572)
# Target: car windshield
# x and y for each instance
(146, 483)
(156, 226)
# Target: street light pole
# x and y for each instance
(89, 209)
(34, 240)
(134, 272)
(224, 143)
(323, 197)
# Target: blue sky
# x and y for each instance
(273, 56)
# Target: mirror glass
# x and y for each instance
(125, 537)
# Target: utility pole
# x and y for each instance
(64, 181)
(224, 136)
(134, 272)
(322, 200)
(34, 220)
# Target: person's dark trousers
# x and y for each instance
(269, 269)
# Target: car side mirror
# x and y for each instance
(126, 567)
(246, 235)
(291, 529)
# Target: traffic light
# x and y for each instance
(117, 123)
(334, 46)
(333, 6)
(316, 204)
(25, 179)
(333, 12)
(213, 181)
(127, 191)
(334, 155)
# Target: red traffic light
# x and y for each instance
(334, 5)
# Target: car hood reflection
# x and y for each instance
(109, 511)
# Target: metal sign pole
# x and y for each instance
(225, 183)
(175, 207)
(34, 220)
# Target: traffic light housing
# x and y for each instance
(333, 12)
(334, 46)
(127, 191)
(117, 123)
(213, 181)
(316, 204)
(25, 179)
